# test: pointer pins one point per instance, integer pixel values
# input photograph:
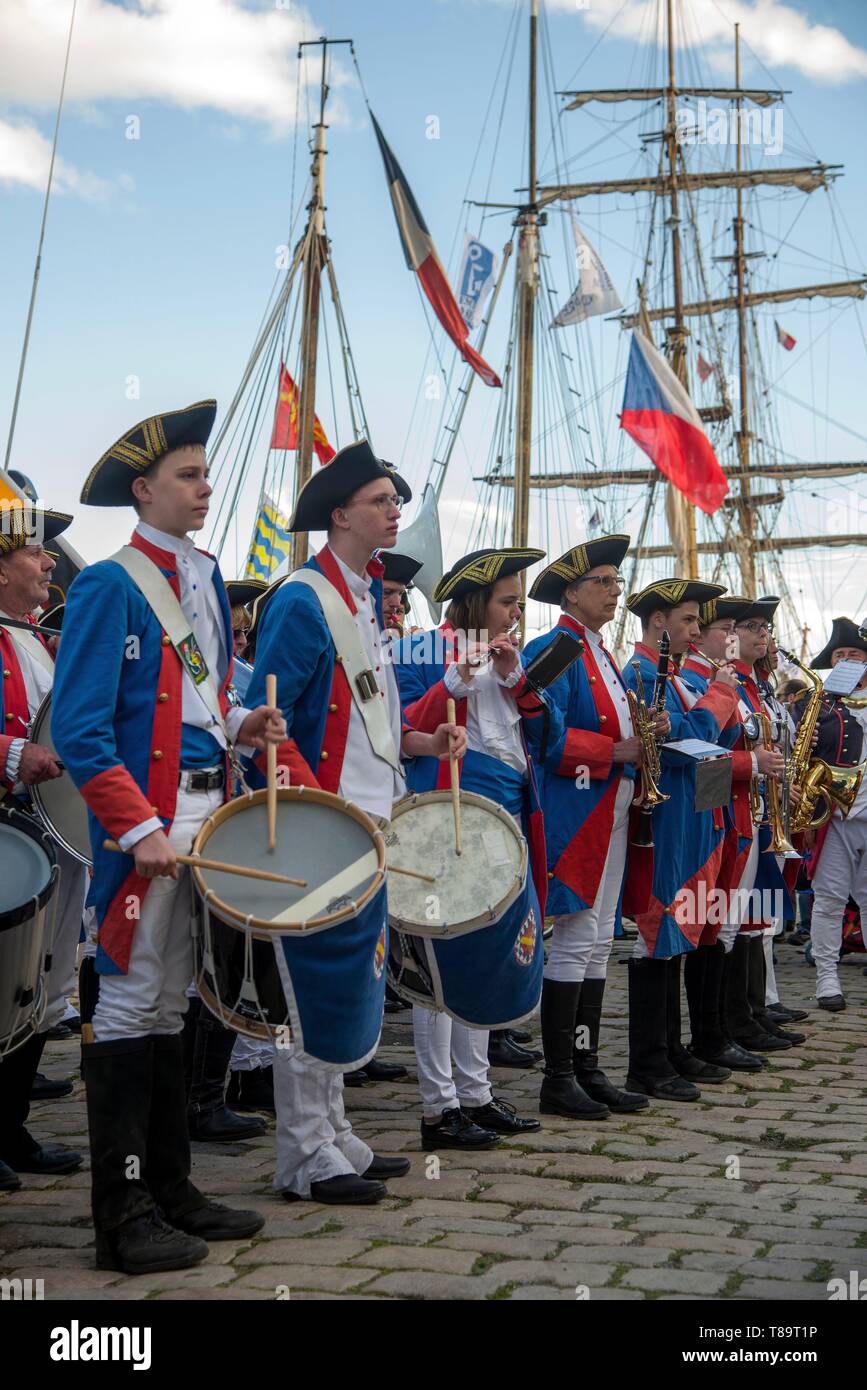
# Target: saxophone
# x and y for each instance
(822, 786)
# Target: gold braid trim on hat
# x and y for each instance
(481, 572)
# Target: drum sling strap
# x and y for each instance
(351, 653)
(158, 593)
(21, 637)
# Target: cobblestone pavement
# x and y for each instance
(631, 1208)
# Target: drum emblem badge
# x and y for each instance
(379, 955)
(525, 945)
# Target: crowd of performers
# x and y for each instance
(612, 817)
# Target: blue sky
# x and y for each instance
(159, 254)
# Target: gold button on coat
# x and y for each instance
(157, 754)
(324, 755)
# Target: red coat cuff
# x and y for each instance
(116, 800)
(721, 701)
(585, 749)
(289, 757)
(742, 766)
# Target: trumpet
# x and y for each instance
(777, 801)
(643, 716)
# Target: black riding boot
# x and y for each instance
(18, 1148)
(684, 1061)
(650, 1071)
(560, 1093)
(168, 1156)
(585, 1059)
(711, 1043)
(757, 979)
(131, 1234)
(207, 1112)
(740, 1022)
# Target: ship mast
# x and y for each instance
(679, 509)
(746, 541)
(315, 260)
(528, 284)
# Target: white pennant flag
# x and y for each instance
(595, 292)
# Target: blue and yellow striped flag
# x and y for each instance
(271, 542)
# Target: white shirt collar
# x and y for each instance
(181, 546)
(358, 584)
(595, 638)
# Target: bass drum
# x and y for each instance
(304, 966)
(468, 943)
(58, 803)
(28, 883)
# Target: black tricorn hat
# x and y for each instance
(244, 591)
(844, 633)
(726, 606)
(109, 483)
(22, 523)
(481, 568)
(670, 593)
(399, 569)
(335, 482)
(549, 584)
(763, 608)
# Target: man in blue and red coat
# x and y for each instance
(357, 499)
(142, 722)
(587, 785)
(27, 667)
(669, 884)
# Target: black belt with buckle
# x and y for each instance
(210, 780)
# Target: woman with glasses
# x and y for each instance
(473, 658)
(587, 785)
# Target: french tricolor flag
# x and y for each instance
(421, 256)
(661, 418)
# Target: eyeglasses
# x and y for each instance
(756, 628)
(386, 500)
(607, 581)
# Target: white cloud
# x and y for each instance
(781, 35)
(25, 155)
(233, 56)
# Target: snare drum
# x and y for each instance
(303, 966)
(28, 882)
(471, 942)
(58, 803)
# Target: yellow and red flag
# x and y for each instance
(285, 432)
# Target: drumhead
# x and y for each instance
(59, 804)
(471, 890)
(27, 868)
(321, 838)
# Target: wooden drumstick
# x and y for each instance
(271, 699)
(197, 863)
(456, 785)
(411, 873)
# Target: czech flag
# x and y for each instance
(661, 418)
(421, 256)
(285, 432)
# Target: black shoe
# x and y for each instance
(73, 1023)
(764, 1042)
(834, 1003)
(147, 1244)
(9, 1179)
(251, 1090)
(599, 1088)
(502, 1052)
(798, 938)
(663, 1088)
(394, 1006)
(456, 1131)
(733, 1057)
(48, 1160)
(695, 1068)
(384, 1071)
(348, 1189)
(561, 1095)
(354, 1078)
(213, 1221)
(61, 1032)
(499, 1116)
(774, 1028)
(381, 1167)
(44, 1089)
(223, 1126)
(780, 1014)
(520, 1035)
